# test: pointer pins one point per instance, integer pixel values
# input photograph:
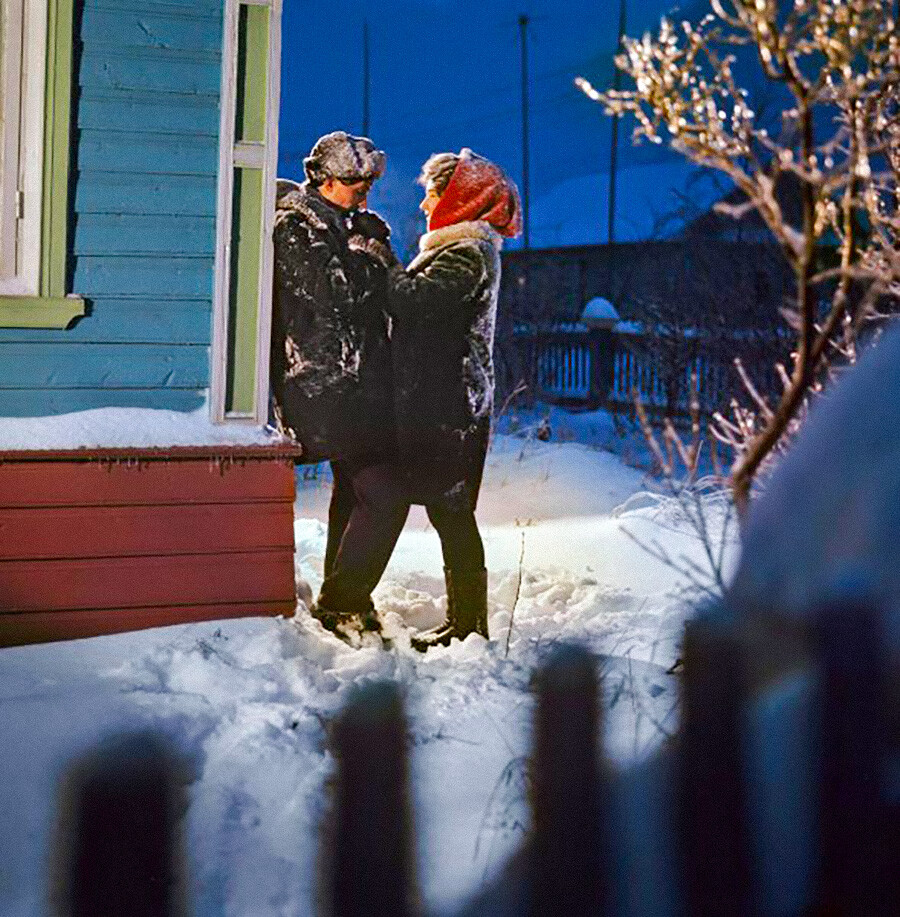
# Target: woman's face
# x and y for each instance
(429, 202)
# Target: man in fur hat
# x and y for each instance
(331, 358)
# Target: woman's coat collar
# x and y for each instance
(477, 230)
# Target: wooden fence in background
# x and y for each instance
(578, 367)
(778, 795)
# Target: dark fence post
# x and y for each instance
(567, 875)
(713, 807)
(602, 366)
(858, 825)
(369, 865)
(120, 849)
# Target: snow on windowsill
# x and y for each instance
(129, 428)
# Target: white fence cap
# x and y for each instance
(600, 313)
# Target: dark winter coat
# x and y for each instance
(331, 362)
(443, 309)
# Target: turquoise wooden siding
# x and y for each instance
(44, 402)
(146, 111)
(144, 201)
(123, 192)
(144, 153)
(102, 234)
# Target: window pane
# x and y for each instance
(252, 55)
(2, 80)
(11, 26)
(239, 389)
(246, 250)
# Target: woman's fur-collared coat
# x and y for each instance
(331, 360)
(443, 308)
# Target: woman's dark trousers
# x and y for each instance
(453, 516)
(453, 513)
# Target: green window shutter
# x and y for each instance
(248, 156)
(52, 308)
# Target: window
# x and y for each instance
(35, 112)
(22, 57)
(242, 307)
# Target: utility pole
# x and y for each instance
(523, 40)
(365, 129)
(614, 149)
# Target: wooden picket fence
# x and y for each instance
(578, 367)
(778, 795)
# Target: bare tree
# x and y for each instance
(835, 68)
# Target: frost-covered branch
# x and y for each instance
(824, 179)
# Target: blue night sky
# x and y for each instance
(446, 74)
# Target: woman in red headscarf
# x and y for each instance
(443, 309)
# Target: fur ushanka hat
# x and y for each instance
(342, 156)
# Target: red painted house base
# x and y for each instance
(106, 540)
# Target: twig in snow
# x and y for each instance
(520, 387)
(683, 565)
(514, 778)
(518, 390)
(512, 612)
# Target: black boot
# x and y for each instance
(333, 620)
(466, 610)
(338, 614)
(443, 633)
(470, 599)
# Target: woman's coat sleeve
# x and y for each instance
(454, 274)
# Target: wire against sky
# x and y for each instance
(539, 80)
(496, 116)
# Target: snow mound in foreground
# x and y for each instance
(829, 521)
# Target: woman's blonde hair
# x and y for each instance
(437, 171)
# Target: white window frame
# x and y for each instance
(235, 155)
(23, 65)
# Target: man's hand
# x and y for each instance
(371, 226)
(373, 248)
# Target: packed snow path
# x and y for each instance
(248, 700)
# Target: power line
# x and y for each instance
(538, 79)
(550, 108)
(365, 129)
(577, 113)
(614, 143)
(523, 35)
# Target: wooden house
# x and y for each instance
(137, 171)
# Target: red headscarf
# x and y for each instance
(479, 190)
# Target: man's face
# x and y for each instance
(349, 195)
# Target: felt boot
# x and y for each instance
(337, 615)
(466, 610)
(443, 633)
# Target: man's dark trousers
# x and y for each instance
(357, 555)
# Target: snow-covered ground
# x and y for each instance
(247, 700)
